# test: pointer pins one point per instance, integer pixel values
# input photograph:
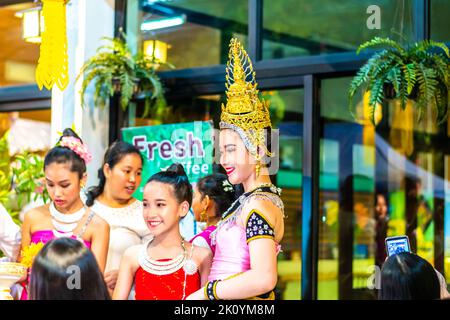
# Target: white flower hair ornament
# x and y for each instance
(227, 187)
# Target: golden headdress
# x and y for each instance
(244, 112)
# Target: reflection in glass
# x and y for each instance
(440, 11)
(286, 108)
(378, 182)
(329, 26)
(196, 32)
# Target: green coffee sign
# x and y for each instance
(190, 144)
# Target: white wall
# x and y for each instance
(87, 22)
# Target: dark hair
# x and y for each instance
(116, 152)
(51, 273)
(176, 177)
(60, 154)
(212, 186)
(406, 276)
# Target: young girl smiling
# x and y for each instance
(167, 267)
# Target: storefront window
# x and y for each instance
(374, 184)
(189, 33)
(328, 26)
(18, 57)
(440, 11)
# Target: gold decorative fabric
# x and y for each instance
(53, 66)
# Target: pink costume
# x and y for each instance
(206, 235)
(232, 254)
(45, 236)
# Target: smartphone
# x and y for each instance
(397, 244)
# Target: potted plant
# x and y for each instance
(21, 179)
(114, 69)
(420, 72)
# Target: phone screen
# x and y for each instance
(397, 245)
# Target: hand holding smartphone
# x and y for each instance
(398, 244)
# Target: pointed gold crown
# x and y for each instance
(244, 112)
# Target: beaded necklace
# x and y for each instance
(64, 224)
(167, 267)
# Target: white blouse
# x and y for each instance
(127, 228)
(10, 235)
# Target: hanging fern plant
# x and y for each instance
(420, 72)
(114, 69)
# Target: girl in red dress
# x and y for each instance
(167, 267)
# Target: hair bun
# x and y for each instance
(68, 132)
(178, 169)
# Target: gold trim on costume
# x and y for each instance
(260, 237)
(233, 276)
(270, 297)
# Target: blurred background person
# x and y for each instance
(213, 195)
(381, 229)
(406, 276)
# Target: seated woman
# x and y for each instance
(406, 276)
(213, 195)
(65, 269)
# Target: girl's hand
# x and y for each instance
(111, 278)
(197, 295)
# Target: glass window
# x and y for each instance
(329, 26)
(440, 11)
(18, 57)
(187, 33)
(286, 108)
(377, 183)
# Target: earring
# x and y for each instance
(257, 166)
(203, 217)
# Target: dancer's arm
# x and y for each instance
(100, 242)
(26, 231)
(205, 259)
(128, 267)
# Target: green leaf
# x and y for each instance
(381, 42)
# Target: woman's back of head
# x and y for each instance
(65, 269)
(406, 276)
(219, 190)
